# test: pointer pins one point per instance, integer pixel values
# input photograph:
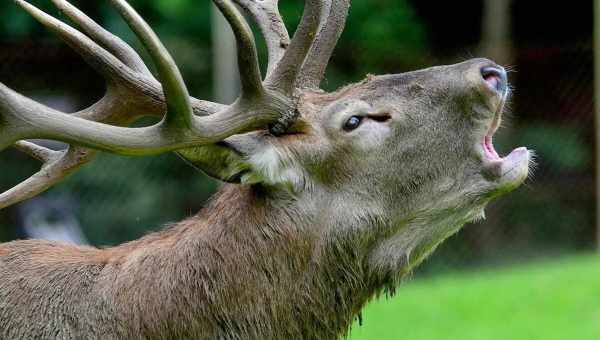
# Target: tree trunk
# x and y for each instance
(496, 31)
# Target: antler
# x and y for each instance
(313, 69)
(132, 91)
(303, 65)
(266, 14)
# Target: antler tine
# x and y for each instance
(36, 151)
(57, 165)
(133, 92)
(266, 15)
(23, 118)
(179, 108)
(287, 70)
(112, 68)
(109, 41)
(250, 77)
(97, 57)
(314, 67)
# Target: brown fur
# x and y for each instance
(228, 273)
(329, 218)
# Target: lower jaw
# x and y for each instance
(510, 171)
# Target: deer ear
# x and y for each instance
(246, 159)
(217, 161)
(227, 161)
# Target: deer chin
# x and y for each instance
(506, 173)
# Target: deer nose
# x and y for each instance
(495, 77)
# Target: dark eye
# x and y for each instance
(352, 123)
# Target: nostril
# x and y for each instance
(495, 76)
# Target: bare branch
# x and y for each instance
(103, 37)
(266, 15)
(250, 76)
(314, 67)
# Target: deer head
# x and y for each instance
(404, 160)
(387, 168)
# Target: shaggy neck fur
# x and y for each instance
(242, 269)
(255, 271)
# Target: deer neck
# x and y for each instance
(262, 267)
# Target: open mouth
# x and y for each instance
(488, 140)
(489, 151)
(495, 78)
(510, 170)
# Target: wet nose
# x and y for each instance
(495, 77)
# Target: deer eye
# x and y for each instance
(352, 123)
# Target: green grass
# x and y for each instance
(548, 301)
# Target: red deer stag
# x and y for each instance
(331, 197)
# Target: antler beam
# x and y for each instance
(132, 91)
(179, 129)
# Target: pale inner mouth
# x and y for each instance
(488, 140)
(488, 148)
(511, 170)
(489, 151)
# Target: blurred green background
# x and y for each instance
(475, 286)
